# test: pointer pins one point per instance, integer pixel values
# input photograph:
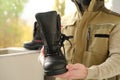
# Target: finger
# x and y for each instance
(42, 50)
(72, 67)
(69, 66)
(76, 66)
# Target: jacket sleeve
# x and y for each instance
(111, 67)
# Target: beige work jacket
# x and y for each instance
(96, 41)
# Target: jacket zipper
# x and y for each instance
(88, 39)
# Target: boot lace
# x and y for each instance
(63, 37)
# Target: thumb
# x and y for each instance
(42, 50)
(41, 56)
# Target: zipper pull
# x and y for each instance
(88, 39)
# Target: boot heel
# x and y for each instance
(56, 72)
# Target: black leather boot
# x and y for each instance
(36, 43)
(55, 62)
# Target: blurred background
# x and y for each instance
(17, 17)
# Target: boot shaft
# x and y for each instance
(50, 30)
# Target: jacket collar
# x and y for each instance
(95, 5)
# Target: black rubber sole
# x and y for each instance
(32, 47)
(56, 72)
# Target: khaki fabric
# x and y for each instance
(96, 41)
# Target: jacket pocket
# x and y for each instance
(98, 48)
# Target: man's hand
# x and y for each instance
(41, 56)
(75, 71)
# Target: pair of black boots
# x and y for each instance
(47, 32)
